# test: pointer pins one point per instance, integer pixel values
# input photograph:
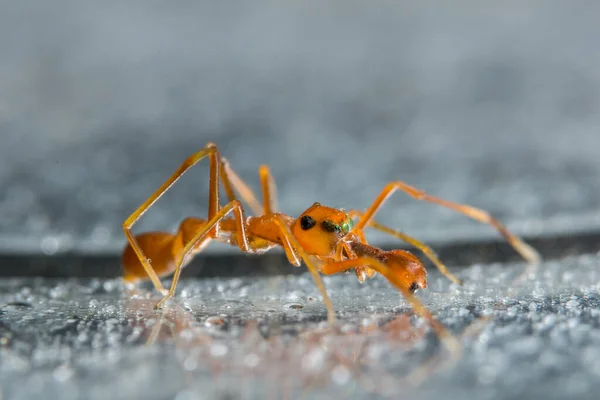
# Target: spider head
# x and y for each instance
(319, 229)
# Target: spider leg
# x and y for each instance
(233, 183)
(269, 190)
(393, 276)
(209, 151)
(525, 250)
(204, 234)
(310, 264)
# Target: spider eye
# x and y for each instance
(306, 222)
(330, 226)
(347, 226)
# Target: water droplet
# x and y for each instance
(236, 283)
(572, 304)
(49, 245)
(252, 360)
(218, 350)
(313, 361)
(340, 375)
(109, 285)
(63, 373)
(111, 309)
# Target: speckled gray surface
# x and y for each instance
(496, 106)
(264, 338)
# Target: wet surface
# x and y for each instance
(268, 337)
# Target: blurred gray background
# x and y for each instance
(492, 104)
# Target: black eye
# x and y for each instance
(306, 222)
(330, 226)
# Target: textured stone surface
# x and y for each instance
(496, 106)
(266, 338)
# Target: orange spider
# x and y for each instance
(325, 238)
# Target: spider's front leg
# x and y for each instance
(312, 266)
(525, 250)
(398, 275)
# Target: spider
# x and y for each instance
(327, 239)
